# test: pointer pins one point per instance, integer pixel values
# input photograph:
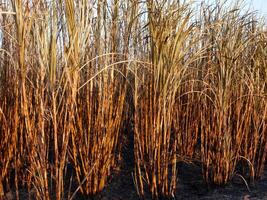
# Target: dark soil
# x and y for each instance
(190, 187)
(190, 184)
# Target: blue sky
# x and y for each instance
(260, 5)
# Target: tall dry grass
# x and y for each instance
(156, 143)
(63, 96)
(230, 130)
(190, 81)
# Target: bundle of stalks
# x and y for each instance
(254, 148)
(169, 28)
(63, 100)
(230, 131)
(7, 136)
(94, 148)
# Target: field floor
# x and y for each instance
(190, 186)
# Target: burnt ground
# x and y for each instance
(190, 187)
(190, 184)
